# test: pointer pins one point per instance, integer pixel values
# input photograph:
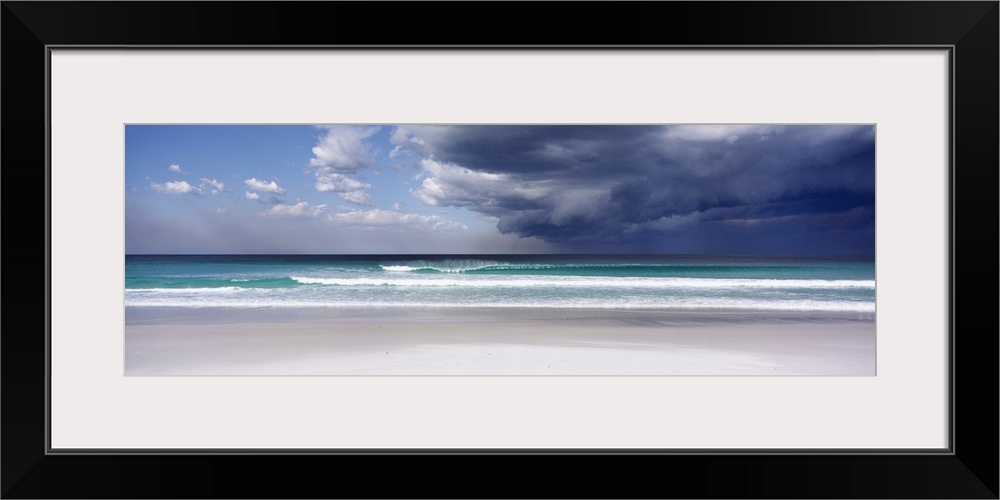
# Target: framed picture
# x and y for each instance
(861, 120)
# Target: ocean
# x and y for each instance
(836, 284)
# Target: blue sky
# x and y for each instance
(736, 189)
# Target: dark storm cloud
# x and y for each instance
(533, 151)
(671, 188)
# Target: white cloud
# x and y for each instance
(358, 198)
(176, 168)
(449, 184)
(348, 189)
(339, 183)
(258, 185)
(300, 209)
(384, 218)
(404, 140)
(252, 196)
(399, 135)
(179, 187)
(217, 187)
(344, 149)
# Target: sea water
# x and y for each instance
(663, 282)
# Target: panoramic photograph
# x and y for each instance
(499, 250)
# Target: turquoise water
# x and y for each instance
(575, 281)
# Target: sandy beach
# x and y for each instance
(500, 341)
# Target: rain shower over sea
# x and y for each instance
(832, 284)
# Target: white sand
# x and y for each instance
(505, 342)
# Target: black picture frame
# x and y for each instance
(968, 470)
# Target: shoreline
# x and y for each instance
(495, 341)
(206, 315)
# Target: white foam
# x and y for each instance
(672, 303)
(393, 269)
(456, 266)
(585, 282)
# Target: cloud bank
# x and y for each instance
(696, 188)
